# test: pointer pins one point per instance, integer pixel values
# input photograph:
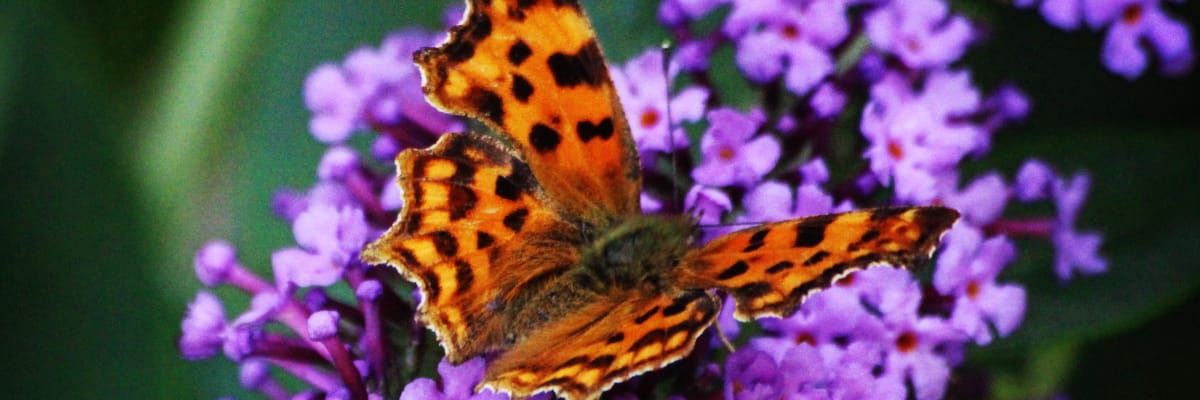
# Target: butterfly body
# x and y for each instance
(530, 248)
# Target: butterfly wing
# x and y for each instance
(769, 269)
(533, 71)
(582, 355)
(474, 230)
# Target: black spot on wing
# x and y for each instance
(616, 338)
(648, 339)
(602, 362)
(516, 219)
(816, 258)
(780, 267)
(521, 88)
(544, 138)
(752, 290)
(506, 189)
(811, 231)
(489, 105)
(585, 67)
(867, 237)
(588, 130)
(642, 318)
(734, 270)
(462, 200)
(483, 240)
(431, 285)
(757, 240)
(445, 243)
(678, 305)
(464, 275)
(519, 52)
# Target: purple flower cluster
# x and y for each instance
(885, 70)
(1133, 29)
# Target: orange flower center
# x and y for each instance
(790, 31)
(806, 338)
(649, 118)
(973, 290)
(895, 150)
(906, 342)
(1131, 14)
(726, 153)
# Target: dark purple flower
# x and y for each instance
(1033, 180)
(1130, 22)
(828, 101)
(1076, 251)
(732, 154)
(1064, 14)
(922, 33)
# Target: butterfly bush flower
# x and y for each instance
(1133, 30)
(345, 330)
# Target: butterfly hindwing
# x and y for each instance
(533, 71)
(473, 214)
(769, 269)
(606, 342)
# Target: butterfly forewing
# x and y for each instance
(769, 269)
(533, 71)
(604, 343)
(473, 219)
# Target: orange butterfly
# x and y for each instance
(532, 247)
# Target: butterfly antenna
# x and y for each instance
(667, 50)
(724, 339)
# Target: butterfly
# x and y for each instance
(530, 248)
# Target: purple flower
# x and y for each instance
(922, 33)
(774, 201)
(214, 262)
(1033, 180)
(708, 204)
(1132, 22)
(751, 375)
(458, 383)
(1076, 251)
(372, 88)
(1064, 14)
(678, 12)
(732, 155)
(982, 201)
(202, 327)
(914, 135)
(967, 270)
(788, 38)
(643, 89)
(915, 342)
(828, 101)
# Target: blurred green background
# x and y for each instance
(132, 131)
